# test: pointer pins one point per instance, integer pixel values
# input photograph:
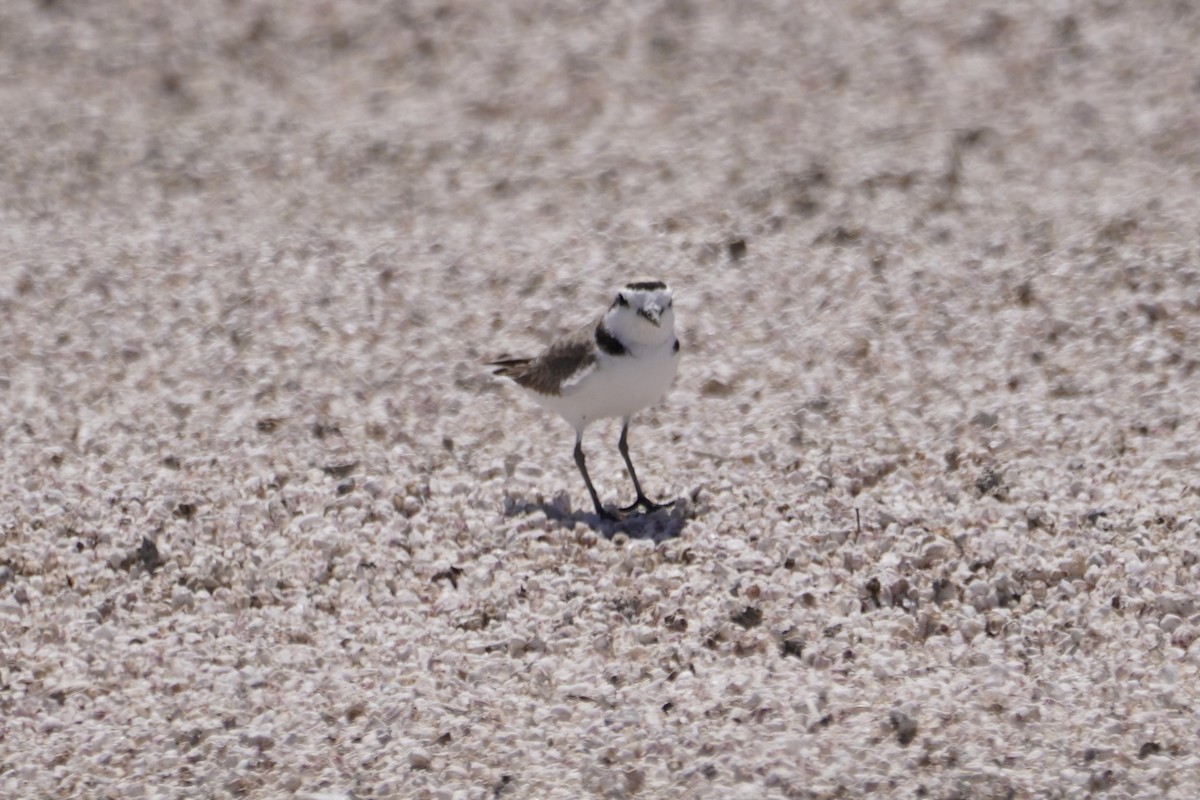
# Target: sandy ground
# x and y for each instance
(268, 529)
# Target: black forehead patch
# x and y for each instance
(646, 286)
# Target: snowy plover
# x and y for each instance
(612, 367)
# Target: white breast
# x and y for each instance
(619, 385)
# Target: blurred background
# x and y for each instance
(180, 182)
(936, 270)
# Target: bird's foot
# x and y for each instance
(646, 503)
(607, 516)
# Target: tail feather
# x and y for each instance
(509, 367)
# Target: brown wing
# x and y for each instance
(546, 374)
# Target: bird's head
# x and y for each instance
(641, 312)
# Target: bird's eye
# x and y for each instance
(621, 301)
(670, 301)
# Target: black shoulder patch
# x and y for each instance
(608, 343)
(646, 286)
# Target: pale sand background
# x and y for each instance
(935, 263)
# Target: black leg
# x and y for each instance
(581, 462)
(641, 500)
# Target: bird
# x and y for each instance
(614, 366)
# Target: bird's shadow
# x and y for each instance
(660, 525)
